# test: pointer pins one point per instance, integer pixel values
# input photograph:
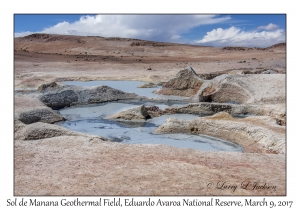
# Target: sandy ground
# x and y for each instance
(73, 166)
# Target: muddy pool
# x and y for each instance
(92, 119)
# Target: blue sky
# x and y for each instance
(255, 30)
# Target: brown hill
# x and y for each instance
(58, 57)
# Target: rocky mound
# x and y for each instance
(186, 83)
(41, 130)
(48, 87)
(136, 113)
(71, 95)
(260, 88)
(255, 134)
(45, 115)
(276, 111)
(148, 85)
(60, 99)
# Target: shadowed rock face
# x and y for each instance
(136, 113)
(186, 83)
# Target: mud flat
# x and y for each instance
(227, 99)
(136, 127)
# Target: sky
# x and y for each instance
(250, 30)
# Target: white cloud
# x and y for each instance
(269, 27)
(236, 37)
(22, 34)
(150, 27)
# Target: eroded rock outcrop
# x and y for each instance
(275, 111)
(29, 109)
(41, 130)
(60, 99)
(136, 113)
(45, 115)
(72, 95)
(260, 88)
(259, 134)
(48, 87)
(186, 83)
(148, 85)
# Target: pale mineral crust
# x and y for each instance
(50, 160)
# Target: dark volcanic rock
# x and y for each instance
(72, 95)
(105, 93)
(154, 111)
(60, 100)
(45, 115)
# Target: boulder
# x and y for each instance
(103, 94)
(147, 85)
(60, 99)
(154, 111)
(72, 95)
(48, 87)
(39, 130)
(136, 113)
(239, 89)
(186, 83)
(45, 115)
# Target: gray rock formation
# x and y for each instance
(205, 108)
(72, 95)
(276, 111)
(252, 88)
(136, 113)
(39, 130)
(60, 99)
(255, 134)
(148, 85)
(48, 87)
(45, 115)
(186, 83)
(103, 94)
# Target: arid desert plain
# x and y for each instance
(233, 97)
